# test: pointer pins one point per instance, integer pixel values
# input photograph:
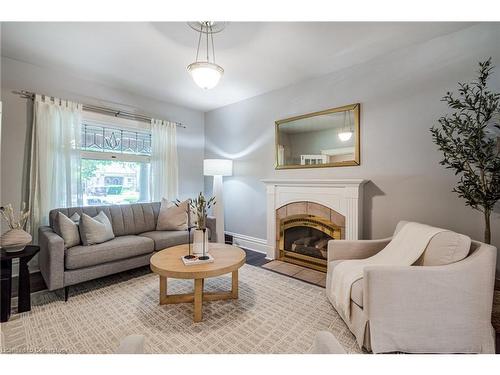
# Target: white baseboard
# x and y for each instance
(251, 243)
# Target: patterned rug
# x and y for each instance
(274, 314)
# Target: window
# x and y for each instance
(115, 165)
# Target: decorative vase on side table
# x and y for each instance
(15, 239)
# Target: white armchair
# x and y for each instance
(442, 304)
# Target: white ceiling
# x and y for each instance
(150, 59)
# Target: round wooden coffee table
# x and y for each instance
(168, 263)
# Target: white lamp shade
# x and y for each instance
(218, 167)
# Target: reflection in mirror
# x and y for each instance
(322, 139)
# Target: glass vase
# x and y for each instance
(200, 239)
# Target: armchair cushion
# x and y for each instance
(357, 286)
(445, 248)
(357, 292)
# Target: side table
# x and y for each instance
(24, 290)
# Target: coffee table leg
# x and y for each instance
(198, 299)
(234, 286)
(163, 290)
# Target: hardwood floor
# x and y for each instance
(36, 281)
(255, 259)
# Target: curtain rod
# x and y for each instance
(98, 109)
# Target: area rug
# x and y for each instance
(274, 314)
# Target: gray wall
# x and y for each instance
(400, 99)
(16, 125)
(16, 122)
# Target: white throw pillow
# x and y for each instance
(97, 229)
(67, 228)
(171, 216)
(445, 248)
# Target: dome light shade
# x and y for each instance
(205, 74)
(345, 136)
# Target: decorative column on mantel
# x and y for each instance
(344, 196)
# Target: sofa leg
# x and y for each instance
(66, 293)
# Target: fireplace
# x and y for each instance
(302, 215)
(303, 231)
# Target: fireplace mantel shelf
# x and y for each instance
(312, 182)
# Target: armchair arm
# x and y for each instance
(51, 258)
(212, 227)
(440, 309)
(359, 249)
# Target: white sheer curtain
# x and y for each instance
(55, 157)
(164, 165)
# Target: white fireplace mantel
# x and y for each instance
(342, 195)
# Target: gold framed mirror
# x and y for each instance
(329, 138)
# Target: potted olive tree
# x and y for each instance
(468, 137)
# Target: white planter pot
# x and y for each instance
(198, 240)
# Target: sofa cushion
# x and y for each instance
(118, 248)
(172, 217)
(67, 228)
(125, 218)
(445, 248)
(95, 230)
(167, 238)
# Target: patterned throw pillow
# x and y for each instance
(97, 229)
(67, 228)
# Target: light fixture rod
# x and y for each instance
(199, 42)
(207, 45)
(213, 48)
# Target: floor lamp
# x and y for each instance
(218, 168)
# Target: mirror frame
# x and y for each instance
(357, 114)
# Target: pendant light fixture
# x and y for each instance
(206, 73)
(346, 132)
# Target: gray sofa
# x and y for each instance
(136, 239)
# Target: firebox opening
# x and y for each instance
(303, 240)
(306, 241)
